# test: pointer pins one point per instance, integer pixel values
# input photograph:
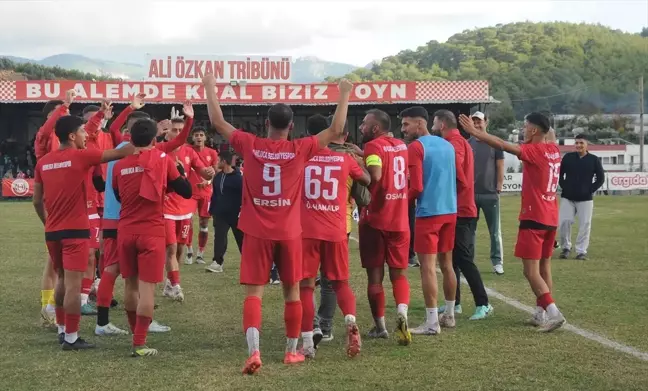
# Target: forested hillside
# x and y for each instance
(561, 67)
(41, 72)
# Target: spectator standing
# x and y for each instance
(581, 175)
(489, 179)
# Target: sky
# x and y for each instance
(349, 31)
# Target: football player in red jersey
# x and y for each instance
(271, 211)
(60, 202)
(201, 190)
(539, 210)
(139, 183)
(384, 223)
(325, 239)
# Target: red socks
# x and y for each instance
(544, 300)
(60, 316)
(376, 295)
(251, 313)
(106, 288)
(174, 277)
(132, 320)
(345, 298)
(308, 308)
(401, 290)
(293, 318)
(86, 284)
(202, 239)
(72, 323)
(141, 329)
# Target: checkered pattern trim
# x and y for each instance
(7, 91)
(452, 91)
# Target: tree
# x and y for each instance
(644, 32)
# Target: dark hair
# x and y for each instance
(51, 105)
(198, 129)
(549, 116)
(447, 117)
(143, 132)
(383, 119)
(415, 112)
(540, 120)
(67, 125)
(280, 116)
(226, 156)
(177, 121)
(316, 123)
(580, 137)
(345, 130)
(91, 109)
(137, 115)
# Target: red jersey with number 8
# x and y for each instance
(540, 174)
(325, 195)
(388, 208)
(272, 185)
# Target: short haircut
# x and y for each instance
(549, 116)
(345, 130)
(177, 121)
(383, 119)
(316, 123)
(137, 115)
(143, 132)
(226, 156)
(280, 116)
(198, 129)
(91, 109)
(540, 120)
(447, 117)
(580, 137)
(51, 105)
(415, 112)
(67, 125)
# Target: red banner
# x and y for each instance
(88, 91)
(17, 187)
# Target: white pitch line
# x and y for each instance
(576, 330)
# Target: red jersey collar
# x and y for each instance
(453, 132)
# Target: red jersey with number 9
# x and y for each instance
(388, 208)
(540, 174)
(272, 185)
(325, 195)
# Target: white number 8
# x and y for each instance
(272, 174)
(400, 179)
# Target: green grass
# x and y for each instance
(206, 348)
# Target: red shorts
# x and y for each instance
(110, 252)
(435, 234)
(203, 207)
(142, 256)
(378, 247)
(95, 229)
(535, 244)
(258, 255)
(69, 254)
(333, 257)
(177, 231)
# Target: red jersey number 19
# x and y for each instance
(272, 175)
(400, 179)
(554, 176)
(313, 185)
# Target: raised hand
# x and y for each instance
(69, 97)
(468, 126)
(138, 101)
(163, 127)
(345, 86)
(209, 80)
(187, 109)
(106, 106)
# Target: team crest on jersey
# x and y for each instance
(209, 158)
(187, 160)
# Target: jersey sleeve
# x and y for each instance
(241, 142)
(372, 155)
(415, 162)
(308, 147)
(171, 169)
(530, 153)
(355, 171)
(90, 157)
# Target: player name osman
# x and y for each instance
(272, 203)
(54, 166)
(273, 155)
(396, 196)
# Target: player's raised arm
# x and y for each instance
(214, 110)
(493, 141)
(93, 125)
(115, 154)
(336, 129)
(118, 123)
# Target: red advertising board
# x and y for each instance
(17, 187)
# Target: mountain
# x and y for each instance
(305, 69)
(559, 67)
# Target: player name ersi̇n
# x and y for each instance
(272, 203)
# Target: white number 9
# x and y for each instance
(272, 175)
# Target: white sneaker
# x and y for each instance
(552, 323)
(426, 329)
(214, 267)
(109, 330)
(95, 286)
(188, 260)
(538, 319)
(168, 289)
(498, 269)
(447, 321)
(156, 327)
(177, 294)
(199, 259)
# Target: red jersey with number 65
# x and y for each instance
(388, 208)
(540, 174)
(325, 195)
(272, 185)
